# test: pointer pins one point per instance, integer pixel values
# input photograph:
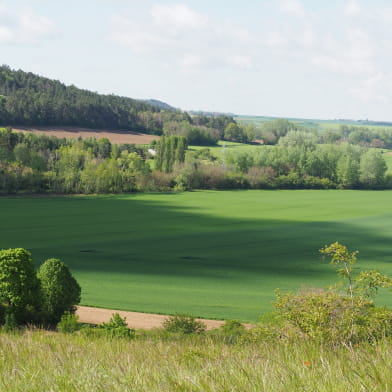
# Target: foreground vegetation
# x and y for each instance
(213, 254)
(37, 361)
(333, 340)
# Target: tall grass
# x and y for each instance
(42, 361)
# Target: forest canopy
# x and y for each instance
(27, 99)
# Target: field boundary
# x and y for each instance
(138, 320)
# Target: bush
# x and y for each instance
(332, 317)
(260, 333)
(60, 291)
(10, 323)
(183, 324)
(231, 331)
(117, 327)
(68, 323)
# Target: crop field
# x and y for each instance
(224, 147)
(213, 254)
(321, 125)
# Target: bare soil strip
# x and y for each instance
(114, 136)
(136, 320)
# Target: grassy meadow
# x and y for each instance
(213, 254)
(38, 361)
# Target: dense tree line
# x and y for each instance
(40, 164)
(35, 163)
(370, 137)
(299, 162)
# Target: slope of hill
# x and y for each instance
(159, 104)
(27, 99)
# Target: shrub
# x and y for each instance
(231, 331)
(60, 291)
(330, 316)
(333, 316)
(260, 333)
(69, 323)
(117, 327)
(10, 323)
(183, 324)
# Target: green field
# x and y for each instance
(321, 125)
(213, 254)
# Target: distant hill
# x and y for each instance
(27, 99)
(210, 114)
(159, 104)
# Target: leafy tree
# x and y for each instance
(60, 291)
(372, 169)
(348, 171)
(171, 150)
(303, 139)
(19, 287)
(273, 130)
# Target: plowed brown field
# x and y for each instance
(136, 320)
(115, 136)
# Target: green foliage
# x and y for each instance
(19, 287)
(273, 130)
(302, 139)
(238, 133)
(60, 291)
(367, 283)
(183, 323)
(335, 317)
(372, 169)
(117, 327)
(260, 333)
(170, 150)
(331, 317)
(231, 331)
(68, 323)
(10, 323)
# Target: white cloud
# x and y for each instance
(292, 7)
(132, 35)
(180, 36)
(24, 27)
(348, 48)
(353, 8)
(240, 61)
(191, 61)
(351, 53)
(6, 35)
(372, 89)
(275, 39)
(178, 16)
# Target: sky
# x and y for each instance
(284, 58)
